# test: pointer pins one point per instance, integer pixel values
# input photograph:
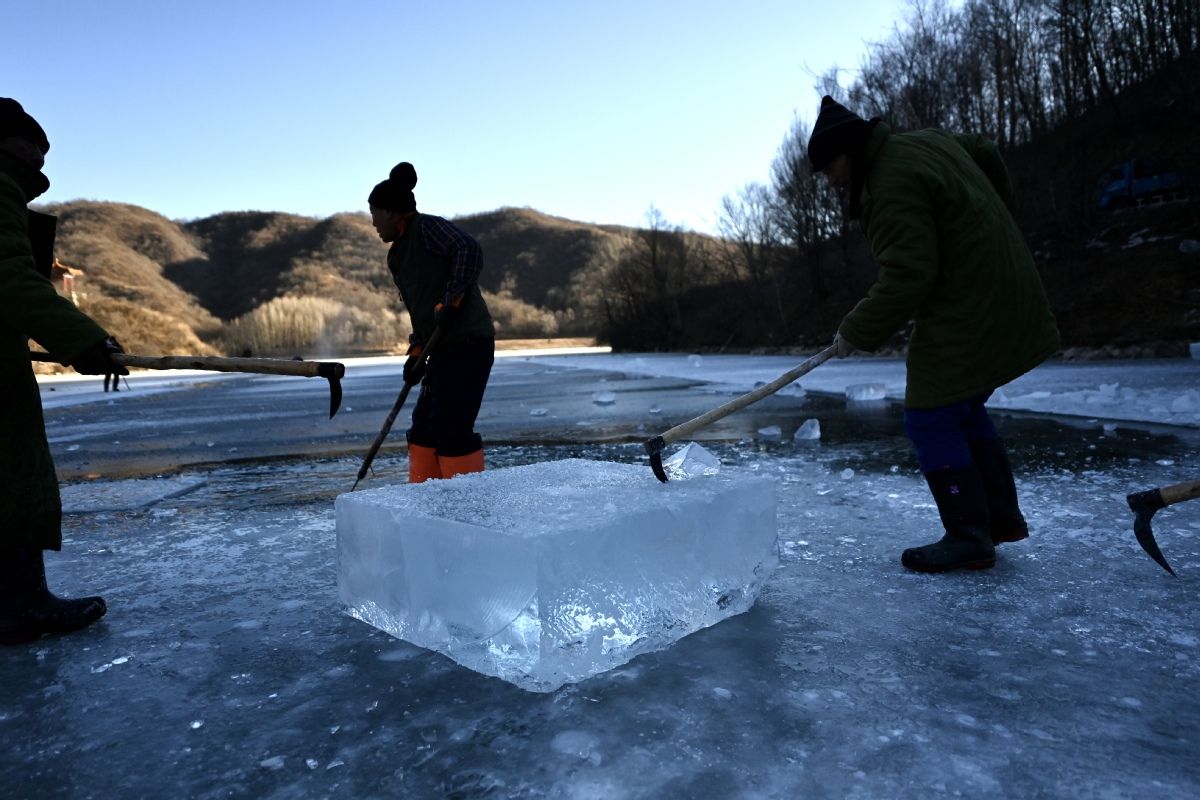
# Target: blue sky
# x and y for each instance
(592, 111)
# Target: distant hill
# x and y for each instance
(166, 286)
(536, 255)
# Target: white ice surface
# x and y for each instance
(1163, 391)
(124, 495)
(226, 668)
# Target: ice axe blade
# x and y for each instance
(654, 448)
(1143, 505)
(333, 373)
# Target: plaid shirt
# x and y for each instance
(444, 238)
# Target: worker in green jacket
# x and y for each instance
(30, 509)
(937, 212)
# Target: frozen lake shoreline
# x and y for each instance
(227, 668)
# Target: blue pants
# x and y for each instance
(942, 436)
(451, 393)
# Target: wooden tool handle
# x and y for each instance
(264, 366)
(683, 429)
(1180, 492)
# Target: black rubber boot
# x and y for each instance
(28, 609)
(1008, 524)
(962, 505)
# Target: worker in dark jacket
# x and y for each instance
(30, 308)
(937, 212)
(436, 267)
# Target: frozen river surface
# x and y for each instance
(203, 512)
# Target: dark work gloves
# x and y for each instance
(97, 359)
(444, 314)
(414, 368)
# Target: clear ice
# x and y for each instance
(691, 461)
(809, 431)
(866, 391)
(550, 573)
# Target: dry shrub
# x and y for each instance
(142, 330)
(295, 325)
(516, 319)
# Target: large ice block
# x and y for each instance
(550, 573)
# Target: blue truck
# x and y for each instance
(1143, 181)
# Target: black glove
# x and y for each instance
(444, 314)
(97, 359)
(844, 348)
(414, 367)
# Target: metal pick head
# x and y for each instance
(1144, 504)
(333, 372)
(654, 448)
(335, 396)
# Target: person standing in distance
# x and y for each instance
(937, 213)
(436, 267)
(30, 308)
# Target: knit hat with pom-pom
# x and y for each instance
(396, 193)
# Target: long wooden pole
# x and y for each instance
(265, 366)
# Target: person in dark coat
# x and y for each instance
(30, 308)
(937, 212)
(436, 267)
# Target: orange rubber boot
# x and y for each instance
(458, 465)
(422, 464)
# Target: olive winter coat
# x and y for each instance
(30, 308)
(937, 215)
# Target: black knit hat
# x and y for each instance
(395, 194)
(15, 122)
(838, 130)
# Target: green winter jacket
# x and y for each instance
(937, 215)
(30, 308)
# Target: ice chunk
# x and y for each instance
(695, 360)
(866, 391)
(809, 431)
(771, 433)
(550, 573)
(691, 461)
(604, 398)
(538, 412)
(124, 495)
